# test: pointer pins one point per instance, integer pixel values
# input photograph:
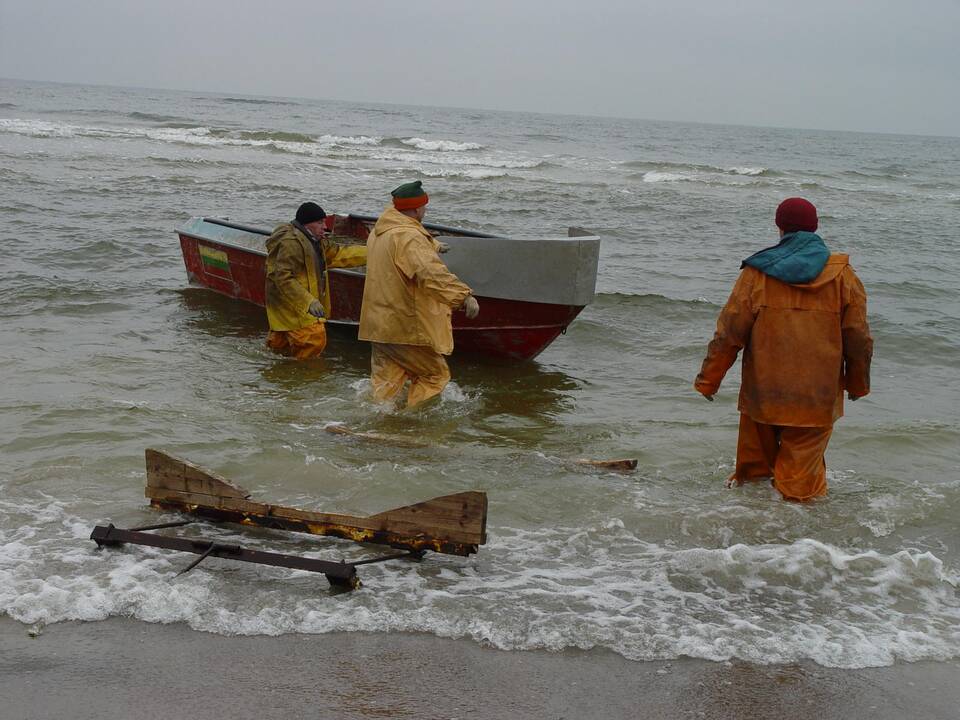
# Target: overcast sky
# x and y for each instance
(873, 65)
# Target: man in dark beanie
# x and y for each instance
(408, 297)
(297, 286)
(800, 316)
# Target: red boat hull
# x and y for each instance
(504, 330)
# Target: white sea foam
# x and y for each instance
(472, 173)
(489, 160)
(453, 393)
(654, 176)
(441, 145)
(348, 140)
(444, 153)
(747, 170)
(763, 603)
(204, 136)
(38, 128)
(198, 135)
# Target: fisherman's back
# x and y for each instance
(793, 362)
(409, 293)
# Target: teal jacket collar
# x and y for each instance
(799, 257)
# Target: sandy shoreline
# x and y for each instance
(128, 669)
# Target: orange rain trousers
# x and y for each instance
(792, 456)
(392, 365)
(303, 344)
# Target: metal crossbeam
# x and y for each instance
(340, 574)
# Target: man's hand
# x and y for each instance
(471, 307)
(442, 247)
(699, 384)
(316, 309)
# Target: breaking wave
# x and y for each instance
(290, 137)
(492, 160)
(692, 169)
(677, 172)
(191, 135)
(749, 171)
(441, 145)
(348, 140)
(37, 128)
(467, 173)
(767, 603)
(653, 176)
(412, 150)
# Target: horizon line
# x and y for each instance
(486, 109)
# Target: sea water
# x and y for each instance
(105, 350)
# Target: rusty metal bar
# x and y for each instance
(161, 526)
(413, 555)
(199, 560)
(341, 574)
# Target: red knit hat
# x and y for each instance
(795, 214)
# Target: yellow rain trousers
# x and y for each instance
(803, 345)
(302, 344)
(391, 366)
(408, 297)
(791, 456)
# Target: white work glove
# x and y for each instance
(442, 247)
(316, 309)
(471, 307)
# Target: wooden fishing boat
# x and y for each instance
(529, 289)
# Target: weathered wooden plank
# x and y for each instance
(453, 524)
(163, 470)
(461, 517)
(216, 501)
(170, 472)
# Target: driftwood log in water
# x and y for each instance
(377, 437)
(623, 464)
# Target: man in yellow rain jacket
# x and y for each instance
(297, 286)
(408, 298)
(800, 316)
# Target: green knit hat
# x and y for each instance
(409, 196)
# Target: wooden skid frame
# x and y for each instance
(452, 524)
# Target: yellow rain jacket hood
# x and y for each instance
(292, 276)
(409, 293)
(803, 345)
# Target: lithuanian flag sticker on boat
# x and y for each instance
(215, 262)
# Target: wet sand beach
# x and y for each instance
(123, 669)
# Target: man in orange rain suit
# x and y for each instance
(800, 316)
(408, 298)
(297, 286)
